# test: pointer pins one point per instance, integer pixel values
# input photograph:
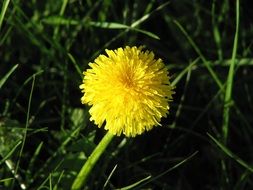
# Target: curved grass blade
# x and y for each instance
(135, 184)
(170, 169)
(231, 154)
(4, 79)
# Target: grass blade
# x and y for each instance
(78, 69)
(4, 180)
(231, 154)
(135, 184)
(3, 11)
(184, 72)
(64, 5)
(110, 175)
(170, 169)
(26, 125)
(8, 155)
(195, 47)
(228, 93)
(4, 79)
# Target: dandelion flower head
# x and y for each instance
(128, 90)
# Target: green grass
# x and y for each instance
(45, 132)
(3, 11)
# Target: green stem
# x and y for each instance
(230, 78)
(90, 163)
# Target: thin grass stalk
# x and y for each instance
(230, 79)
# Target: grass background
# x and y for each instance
(45, 132)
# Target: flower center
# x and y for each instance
(128, 81)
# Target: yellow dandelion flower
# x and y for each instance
(128, 90)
